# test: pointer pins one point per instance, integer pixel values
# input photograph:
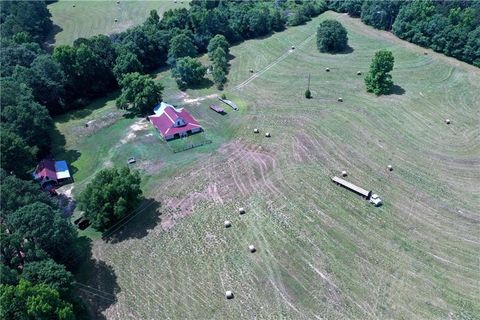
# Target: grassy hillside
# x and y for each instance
(323, 252)
(87, 18)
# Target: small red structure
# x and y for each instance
(216, 108)
(50, 172)
(173, 123)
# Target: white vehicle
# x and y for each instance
(375, 200)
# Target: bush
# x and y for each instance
(331, 37)
(308, 94)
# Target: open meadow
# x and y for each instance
(86, 18)
(322, 251)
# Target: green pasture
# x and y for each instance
(322, 252)
(86, 18)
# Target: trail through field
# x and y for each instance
(274, 63)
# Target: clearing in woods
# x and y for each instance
(86, 18)
(322, 252)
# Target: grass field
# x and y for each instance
(86, 18)
(323, 252)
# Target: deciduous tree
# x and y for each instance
(188, 71)
(378, 79)
(50, 273)
(112, 194)
(15, 156)
(45, 227)
(28, 301)
(180, 46)
(139, 93)
(331, 37)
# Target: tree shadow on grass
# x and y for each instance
(136, 225)
(96, 281)
(87, 110)
(397, 90)
(347, 50)
(204, 84)
(60, 153)
(49, 43)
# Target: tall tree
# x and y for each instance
(331, 37)
(31, 17)
(17, 193)
(15, 156)
(47, 81)
(112, 194)
(126, 63)
(139, 93)
(219, 41)
(46, 228)
(28, 301)
(50, 273)
(30, 121)
(188, 71)
(378, 79)
(180, 46)
(380, 14)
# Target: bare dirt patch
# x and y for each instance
(140, 125)
(196, 101)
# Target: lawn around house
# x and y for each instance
(322, 252)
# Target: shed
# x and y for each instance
(51, 172)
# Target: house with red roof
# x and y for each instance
(173, 123)
(51, 172)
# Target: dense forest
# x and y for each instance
(39, 246)
(449, 27)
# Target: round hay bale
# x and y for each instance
(267, 135)
(389, 167)
(251, 70)
(425, 52)
(256, 130)
(340, 99)
(293, 47)
(118, 2)
(252, 248)
(227, 224)
(229, 295)
(116, 20)
(241, 210)
(447, 121)
(73, 5)
(344, 173)
(327, 69)
(359, 73)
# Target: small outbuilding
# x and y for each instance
(50, 172)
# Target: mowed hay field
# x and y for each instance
(86, 18)
(322, 251)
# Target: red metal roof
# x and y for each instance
(46, 168)
(165, 122)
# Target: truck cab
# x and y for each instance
(375, 200)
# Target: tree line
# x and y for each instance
(449, 27)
